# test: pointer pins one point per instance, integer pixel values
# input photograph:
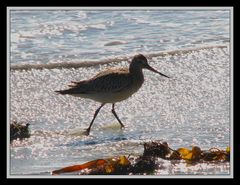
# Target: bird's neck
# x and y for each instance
(137, 73)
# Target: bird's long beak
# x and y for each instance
(155, 71)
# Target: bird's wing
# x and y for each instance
(109, 82)
(105, 81)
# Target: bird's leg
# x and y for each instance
(115, 114)
(95, 115)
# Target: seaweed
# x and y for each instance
(147, 162)
(19, 131)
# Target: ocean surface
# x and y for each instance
(50, 48)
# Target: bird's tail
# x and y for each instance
(62, 92)
(75, 88)
(71, 91)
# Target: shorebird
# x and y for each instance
(111, 85)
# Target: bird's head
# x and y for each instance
(140, 61)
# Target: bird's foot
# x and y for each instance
(86, 132)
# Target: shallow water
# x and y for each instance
(190, 108)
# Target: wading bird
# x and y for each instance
(111, 85)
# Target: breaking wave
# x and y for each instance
(88, 63)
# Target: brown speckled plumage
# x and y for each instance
(111, 80)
